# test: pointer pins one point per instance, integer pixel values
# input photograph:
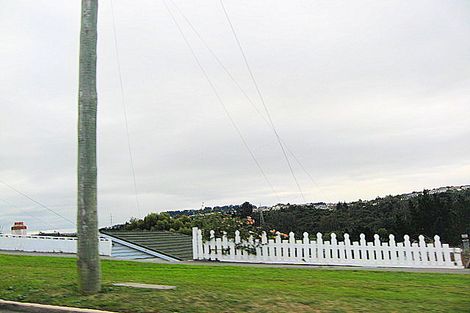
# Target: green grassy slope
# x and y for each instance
(52, 280)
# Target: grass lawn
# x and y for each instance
(52, 280)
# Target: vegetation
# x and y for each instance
(446, 214)
(202, 288)
(219, 222)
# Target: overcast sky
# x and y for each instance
(372, 98)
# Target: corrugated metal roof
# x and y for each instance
(120, 251)
(175, 245)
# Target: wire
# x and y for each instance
(23, 211)
(37, 202)
(124, 109)
(217, 95)
(305, 171)
(214, 55)
(262, 99)
(247, 97)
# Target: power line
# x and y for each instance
(305, 170)
(214, 55)
(124, 108)
(245, 94)
(37, 202)
(30, 215)
(262, 99)
(217, 95)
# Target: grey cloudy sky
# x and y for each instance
(372, 97)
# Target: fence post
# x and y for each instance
(447, 255)
(320, 247)
(363, 248)
(226, 251)
(438, 249)
(211, 244)
(423, 251)
(392, 254)
(278, 246)
(334, 248)
(264, 248)
(271, 250)
(306, 248)
(458, 257)
(415, 251)
(195, 244)
(218, 248)
(347, 247)
(407, 250)
(252, 243)
(378, 250)
(238, 252)
(291, 255)
(342, 252)
(237, 236)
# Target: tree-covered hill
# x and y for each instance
(427, 213)
(446, 214)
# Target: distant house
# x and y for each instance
(19, 228)
(261, 208)
(280, 206)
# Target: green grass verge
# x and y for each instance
(52, 280)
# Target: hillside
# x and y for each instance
(443, 211)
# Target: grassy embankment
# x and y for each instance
(52, 280)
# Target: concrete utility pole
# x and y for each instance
(89, 269)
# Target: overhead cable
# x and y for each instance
(30, 215)
(262, 99)
(37, 202)
(126, 120)
(242, 90)
(219, 99)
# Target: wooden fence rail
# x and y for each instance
(323, 252)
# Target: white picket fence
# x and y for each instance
(333, 252)
(47, 244)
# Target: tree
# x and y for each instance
(88, 262)
(246, 209)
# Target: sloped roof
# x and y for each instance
(124, 252)
(175, 245)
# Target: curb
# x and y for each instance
(43, 308)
